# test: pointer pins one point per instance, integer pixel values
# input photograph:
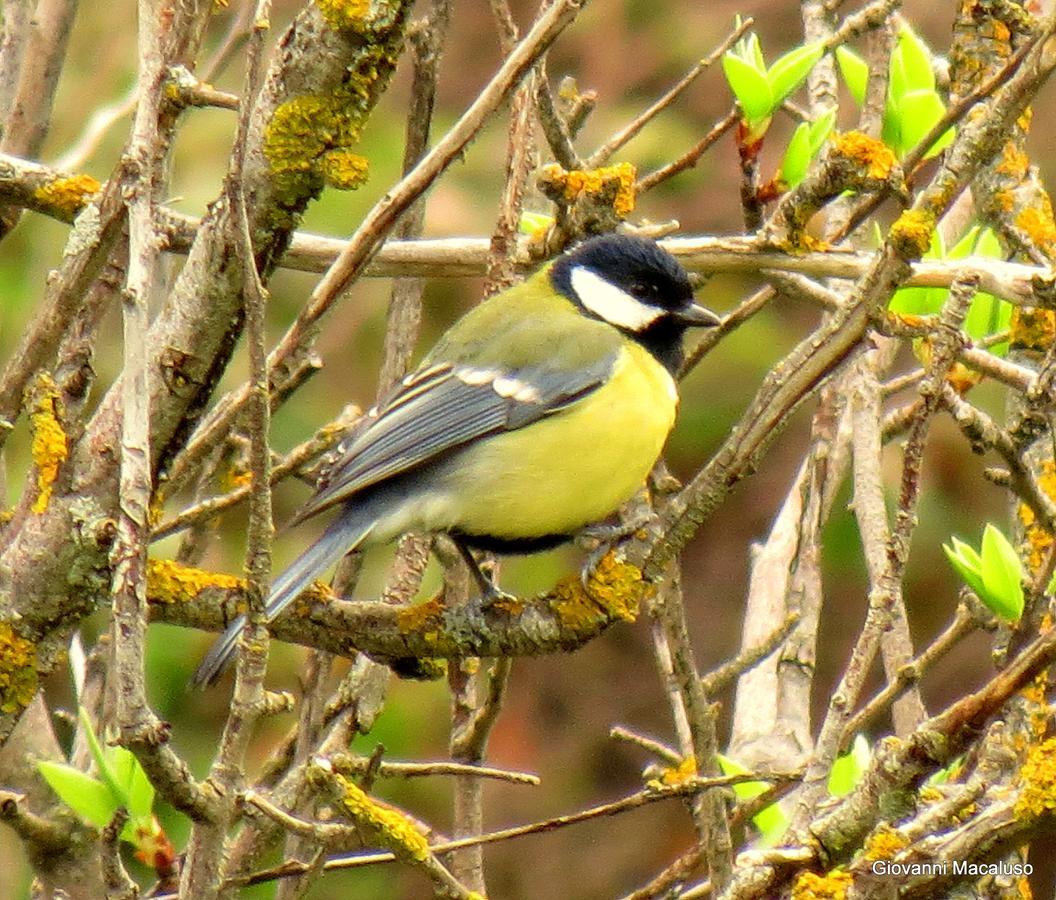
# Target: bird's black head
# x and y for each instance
(635, 286)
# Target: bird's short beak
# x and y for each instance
(698, 316)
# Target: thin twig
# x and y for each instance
(637, 800)
(910, 674)
(690, 158)
(600, 156)
(393, 769)
(659, 750)
(293, 463)
(719, 679)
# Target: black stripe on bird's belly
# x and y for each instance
(511, 546)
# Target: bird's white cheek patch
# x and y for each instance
(610, 303)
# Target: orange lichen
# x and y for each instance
(1037, 222)
(884, 843)
(1014, 161)
(1037, 536)
(1032, 328)
(911, 233)
(1037, 780)
(1004, 200)
(67, 196)
(673, 776)
(870, 155)
(617, 180)
(1037, 707)
(18, 670)
(832, 885)
(237, 478)
(170, 582)
(49, 448)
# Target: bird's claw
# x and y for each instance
(598, 540)
(494, 594)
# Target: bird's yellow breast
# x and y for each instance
(570, 469)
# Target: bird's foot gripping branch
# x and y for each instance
(562, 619)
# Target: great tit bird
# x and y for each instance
(540, 412)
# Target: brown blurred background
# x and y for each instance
(559, 710)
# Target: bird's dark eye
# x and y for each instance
(641, 289)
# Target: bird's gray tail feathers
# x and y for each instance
(345, 533)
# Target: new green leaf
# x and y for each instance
(92, 800)
(918, 112)
(797, 156)
(1002, 575)
(820, 130)
(914, 59)
(849, 768)
(133, 784)
(750, 87)
(855, 72)
(788, 72)
(966, 561)
(771, 820)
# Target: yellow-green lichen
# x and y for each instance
(343, 169)
(1037, 780)
(832, 885)
(799, 241)
(18, 670)
(236, 476)
(301, 133)
(316, 592)
(171, 582)
(614, 591)
(422, 619)
(387, 825)
(911, 233)
(49, 448)
(871, 156)
(615, 182)
(309, 139)
(344, 15)
(67, 196)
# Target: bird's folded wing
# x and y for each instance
(445, 406)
